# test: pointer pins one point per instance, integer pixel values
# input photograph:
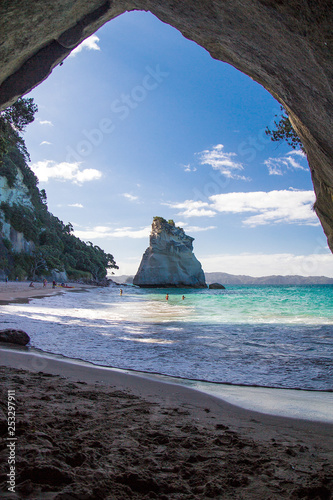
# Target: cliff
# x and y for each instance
(169, 260)
(16, 195)
(33, 242)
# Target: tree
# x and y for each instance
(69, 228)
(20, 114)
(285, 132)
(54, 242)
(43, 197)
(13, 121)
(37, 263)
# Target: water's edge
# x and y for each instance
(302, 404)
(234, 339)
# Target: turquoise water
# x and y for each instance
(254, 304)
(271, 336)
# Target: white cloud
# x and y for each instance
(191, 208)
(222, 161)
(130, 232)
(278, 166)
(45, 143)
(197, 229)
(254, 264)
(76, 205)
(46, 122)
(287, 206)
(188, 168)
(90, 43)
(106, 232)
(64, 171)
(193, 229)
(130, 197)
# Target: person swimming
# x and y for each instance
(167, 297)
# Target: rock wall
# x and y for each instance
(20, 244)
(285, 45)
(19, 194)
(169, 260)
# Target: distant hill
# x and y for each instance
(233, 279)
(125, 278)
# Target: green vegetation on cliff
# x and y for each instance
(163, 223)
(55, 246)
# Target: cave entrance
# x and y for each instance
(285, 46)
(139, 113)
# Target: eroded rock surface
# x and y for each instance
(169, 260)
(285, 45)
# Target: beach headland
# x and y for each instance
(86, 432)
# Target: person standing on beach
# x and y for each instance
(44, 283)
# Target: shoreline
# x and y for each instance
(142, 438)
(19, 291)
(284, 402)
(303, 404)
(142, 384)
(139, 384)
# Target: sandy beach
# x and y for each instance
(14, 291)
(86, 432)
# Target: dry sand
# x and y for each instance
(14, 291)
(103, 434)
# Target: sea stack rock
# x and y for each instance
(169, 261)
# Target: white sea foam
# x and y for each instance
(269, 336)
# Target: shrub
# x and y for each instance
(8, 244)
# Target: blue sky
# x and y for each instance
(140, 121)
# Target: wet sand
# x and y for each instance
(84, 432)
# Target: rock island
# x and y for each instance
(169, 261)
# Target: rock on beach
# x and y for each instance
(13, 336)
